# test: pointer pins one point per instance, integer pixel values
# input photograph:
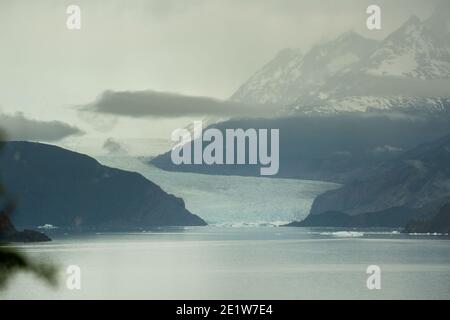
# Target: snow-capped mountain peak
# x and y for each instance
(291, 74)
(355, 74)
(271, 84)
(415, 50)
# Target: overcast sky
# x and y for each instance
(194, 47)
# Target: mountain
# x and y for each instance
(401, 75)
(51, 185)
(407, 72)
(389, 218)
(8, 232)
(440, 223)
(416, 50)
(291, 74)
(418, 180)
(271, 84)
(328, 147)
(351, 103)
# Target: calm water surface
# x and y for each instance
(242, 263)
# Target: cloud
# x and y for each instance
(114, 147)
(18, 127)
(382, 86)
(168, 105)
(99, 121)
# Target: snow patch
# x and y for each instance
(398, 65)
(342, 62)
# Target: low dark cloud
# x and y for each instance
(169, 105)
(18, 127)
(114, 147)
(172, 105)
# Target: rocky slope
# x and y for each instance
(389, 218)
(440, 223)
(417, 179)
(8, 232)
(55, 186)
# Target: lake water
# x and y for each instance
(238, 256)
(242, 263)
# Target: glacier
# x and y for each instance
(233, 201)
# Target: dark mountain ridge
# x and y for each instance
(440, 223)
(416, 179)
(51, 185)
(411, 191)
(336, 148)
(8, 233)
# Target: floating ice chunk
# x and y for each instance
(428, 234)
(47, 227)
(343, 234)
